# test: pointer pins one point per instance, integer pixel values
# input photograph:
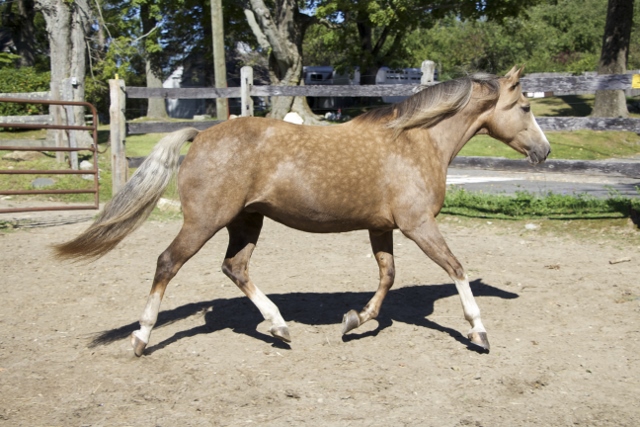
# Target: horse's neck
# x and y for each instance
(452, 133)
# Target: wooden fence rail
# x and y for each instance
(562, 84)
(566, 85)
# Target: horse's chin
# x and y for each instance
(535, 158)
(532, 158)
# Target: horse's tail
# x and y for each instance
(133, 204)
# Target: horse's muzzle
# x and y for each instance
(538, 156)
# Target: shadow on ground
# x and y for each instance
(410, 304)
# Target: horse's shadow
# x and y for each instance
(410, 304)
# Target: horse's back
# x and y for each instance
(315, 178)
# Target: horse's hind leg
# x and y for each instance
(191, 238)
(243, 236)
(382, 245)
(428, 238)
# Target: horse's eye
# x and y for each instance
(526, 108)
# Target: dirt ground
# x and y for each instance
(564, 324)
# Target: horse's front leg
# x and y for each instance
(382, 245)
(427, 236)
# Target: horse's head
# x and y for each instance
(512, 121)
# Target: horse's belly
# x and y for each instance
(324, 218)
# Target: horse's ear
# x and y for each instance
(513, 76)
(511, 72)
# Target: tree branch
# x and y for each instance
(257, 31)
(267, 26)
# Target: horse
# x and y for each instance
(384, 170)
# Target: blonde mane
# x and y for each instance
(434, 103)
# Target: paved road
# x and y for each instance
(500, 182)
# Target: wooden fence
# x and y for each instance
(566, 85)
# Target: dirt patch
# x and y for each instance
(562, 321)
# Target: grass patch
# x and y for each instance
(563, 106)
(576, 145)
(567, 106)
(61, 182)
(526, 205)
(141, 145)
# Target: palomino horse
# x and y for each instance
(382, 171)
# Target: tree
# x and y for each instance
(150, 16)
(613, 60)
(67, 24)
(280, 32)
(375, 31)
(561, 37)
(22, 31)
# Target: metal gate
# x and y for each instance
(94, 149)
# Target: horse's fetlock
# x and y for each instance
(369, 313)
(472, 316)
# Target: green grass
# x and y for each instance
(563, 106)
(526, 205)
(141, 145)
(576, 145)
(62, 182)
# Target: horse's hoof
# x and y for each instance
(350, 321)
(480, 339)
(281, 332)
(138, 345)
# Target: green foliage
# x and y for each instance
(8, 59)
(373, 33)
(557, 36)
(27, 79)
(527, 205)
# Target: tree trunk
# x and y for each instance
(156, 107)
(281, 33)
(372, 56)
(26, 36)
(219, 59)
(66, 27)
(613, 59)
(18, 29)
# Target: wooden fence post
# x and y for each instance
(428, 69)
(67, 95)
(117, 129)
(56, 115)
(246, 83)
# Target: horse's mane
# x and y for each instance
(433, 103)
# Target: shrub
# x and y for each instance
(26, 79)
